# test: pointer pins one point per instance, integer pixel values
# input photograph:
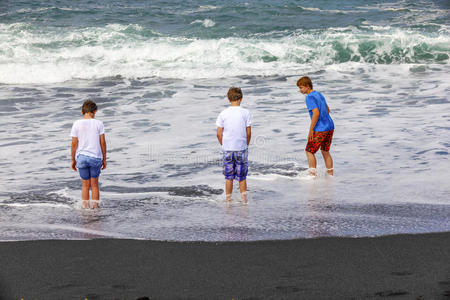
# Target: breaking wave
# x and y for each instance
(32, 55)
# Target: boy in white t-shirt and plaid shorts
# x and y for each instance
(234, 133)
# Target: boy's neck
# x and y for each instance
(309, 91)
(88, 116)
(236, 103)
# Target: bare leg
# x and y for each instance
(85, 186)
(328, 162)
(95, 192)
(243, 190)
(312, 163)
(228, 189)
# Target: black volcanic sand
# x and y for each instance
(390, 267)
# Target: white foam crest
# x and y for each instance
(399, 9)
(205, 23)
(201, 8)
(27, 10)
(54, 205)
(376, 27)
(309, 8)
(270, 177)
(23, 34)
(31, 57)
(68, 9)
(207, 7)
(121, 27)
(65, 192)
(66, 228)
(43, 9)
(334, 11)
(302, 175)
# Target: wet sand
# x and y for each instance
(398, 267)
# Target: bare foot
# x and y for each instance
(228, 197)
(244, 197)
(85, 203)
(312, 172)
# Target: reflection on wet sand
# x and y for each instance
(236, 219)
(91, 221)
(319, 193)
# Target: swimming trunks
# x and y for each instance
(235, 164)
(322, 140)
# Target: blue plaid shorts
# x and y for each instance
(235, 164)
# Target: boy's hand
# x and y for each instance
(104, 164)
(74, 165)
(311, 135)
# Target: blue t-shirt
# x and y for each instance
(317, 100)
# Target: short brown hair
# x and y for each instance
(305, 81)
(234, 94)
(89, 106)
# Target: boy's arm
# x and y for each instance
(249, 134)
(103, 146)
(328, 109)
(314, 119)
(73, 148)
(220, 134)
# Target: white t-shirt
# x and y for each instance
(234, 120)
(88, 132)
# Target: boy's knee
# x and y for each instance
(86, 183)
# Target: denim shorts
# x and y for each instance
(235, 164)
(89, 167)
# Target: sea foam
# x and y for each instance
(29, 55)
(206, 23)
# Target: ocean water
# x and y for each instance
(159, 72)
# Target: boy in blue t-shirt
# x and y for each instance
(321, 129)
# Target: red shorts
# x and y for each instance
(322, 140)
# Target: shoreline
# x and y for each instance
(405, 266)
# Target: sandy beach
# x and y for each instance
(399, 266)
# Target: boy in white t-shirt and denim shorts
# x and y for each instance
(234, 133)
(89, 152)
